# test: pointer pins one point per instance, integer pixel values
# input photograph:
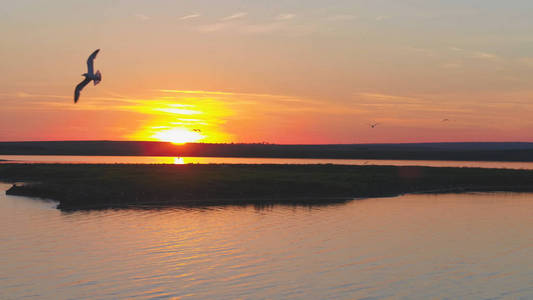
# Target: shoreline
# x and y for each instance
(452, 151)
(86, 186)
(218, 202)
(261, 157)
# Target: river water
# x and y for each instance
(72, 159)
(457, 246)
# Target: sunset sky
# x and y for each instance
(275, 71)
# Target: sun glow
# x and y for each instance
(178, 136)
(178, 111)
(181, 119)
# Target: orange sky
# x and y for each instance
(291, 72)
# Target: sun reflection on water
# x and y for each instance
(179, 161)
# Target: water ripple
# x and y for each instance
(415, 246)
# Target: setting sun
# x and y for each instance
(178, 136)
(219, 149)
(183, 119)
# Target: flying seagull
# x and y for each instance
(89, 76)
(373, 125)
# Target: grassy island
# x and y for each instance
(86, 186)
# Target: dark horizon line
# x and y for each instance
(269, 143)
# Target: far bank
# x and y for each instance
(479, 151)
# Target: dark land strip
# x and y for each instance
(496, 151)
(91, 186)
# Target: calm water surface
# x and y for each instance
(246, 160)
(475, 246)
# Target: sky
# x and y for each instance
(285, 71)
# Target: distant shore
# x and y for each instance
(87, 186)
(489, 151)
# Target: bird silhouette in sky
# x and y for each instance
(197, 130)
(445, 120)
(373, 125)
(89, 76)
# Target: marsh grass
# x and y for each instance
(95, 186)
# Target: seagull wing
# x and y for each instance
(90, 68)
(78, 89)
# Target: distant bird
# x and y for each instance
(445, 120)
(89, 76)
(197, 130)
(373, 125)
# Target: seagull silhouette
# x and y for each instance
(373, 125)
(89, 76)
(197, 130)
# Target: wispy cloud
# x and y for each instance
(235, 16)
(191, 16)
(221, 93)
(475, 54)
(22, 94)
(283, 17)
(417, 110)
(224, 23)
(263, 28)
(386, 98)
(484, 55)
(214, 27)
(424, 51)
(527, 61)
(95, 103)
(142, 17)
(452, 66)
(341, 17)
(178, 111)
(243, 27)
(437, 107)
(251, 101)
(260, 28)
(197, 92)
